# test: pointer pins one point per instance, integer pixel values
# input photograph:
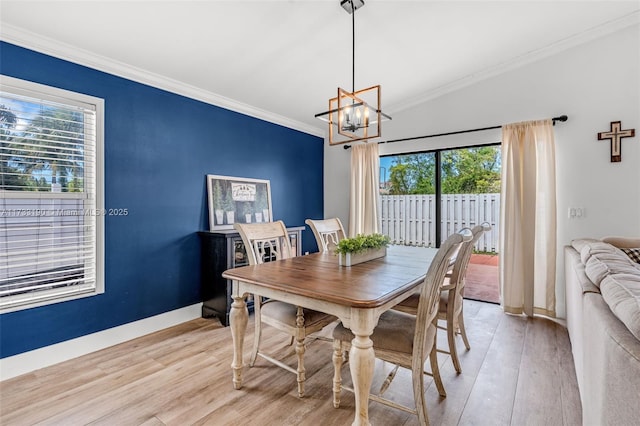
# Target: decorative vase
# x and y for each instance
(258, 217)
(248, 217)
(350, 259)
(230, 217)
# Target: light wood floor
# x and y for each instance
(518, 372)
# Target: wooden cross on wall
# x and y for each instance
(615, 135)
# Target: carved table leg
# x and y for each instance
(238, 318)
(361, 364)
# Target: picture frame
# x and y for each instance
(237, 199)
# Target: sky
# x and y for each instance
(385, 165)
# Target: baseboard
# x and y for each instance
(43, 357)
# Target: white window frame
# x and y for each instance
(37, 91)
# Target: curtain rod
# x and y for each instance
(561, 118)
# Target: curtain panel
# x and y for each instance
(363, 201)
(528, 217)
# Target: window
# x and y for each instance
(51, 201)
(427, 196)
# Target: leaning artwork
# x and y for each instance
(237, 199)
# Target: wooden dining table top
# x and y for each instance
(318, 276)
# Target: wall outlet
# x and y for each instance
(577, 212)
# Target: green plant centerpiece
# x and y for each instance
(361, 248)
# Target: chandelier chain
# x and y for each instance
(353, 48)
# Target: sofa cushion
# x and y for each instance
(603, 264)
(622, 294)
(633, 253)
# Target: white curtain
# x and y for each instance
(363, 202)
(528, 218)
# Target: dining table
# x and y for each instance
(357, 295)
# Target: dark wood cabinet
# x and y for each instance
(222, 250)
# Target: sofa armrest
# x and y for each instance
(611, 380)
(623, 242)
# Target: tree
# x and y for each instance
(463, 171)
(53, 142)
(471, 170)
(10, 176)
(412, 174)
(8, 119)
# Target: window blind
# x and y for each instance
(48, 210)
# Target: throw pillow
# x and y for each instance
(633, 253)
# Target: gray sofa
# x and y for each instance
(603, 319)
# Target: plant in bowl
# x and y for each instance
(229, 206)
(217, 203)
(361, 248)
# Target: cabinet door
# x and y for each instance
(239, 254)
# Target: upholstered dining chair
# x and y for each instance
(269, 241)
(404, 339)
(451, 298)
(328, 232)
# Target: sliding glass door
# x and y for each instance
(408, 209)
(427, 196)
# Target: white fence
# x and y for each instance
(52, 228)
(411, 219)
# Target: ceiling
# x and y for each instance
(283, 60)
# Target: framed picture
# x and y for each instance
(236, 199)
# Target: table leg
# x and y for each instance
(238, 318)
(361, 364)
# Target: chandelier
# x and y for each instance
(356, 115)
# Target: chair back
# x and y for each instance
(462, 262)
(266, 241)
(430, 293)
(328, 232)
(457, 280)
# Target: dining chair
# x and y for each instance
(404, 339)
(328, 232)
(269, 241)
(452, 297)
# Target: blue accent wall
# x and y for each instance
(158, 148)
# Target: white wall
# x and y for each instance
(594, 83)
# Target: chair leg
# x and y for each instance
(388, 380)
(300, 350)
(257, 303)
(463, 332)
(435, 371)
(417, 379)
(451, 337)
(337, 373)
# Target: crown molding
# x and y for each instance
(590, 34)
(48, 46)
